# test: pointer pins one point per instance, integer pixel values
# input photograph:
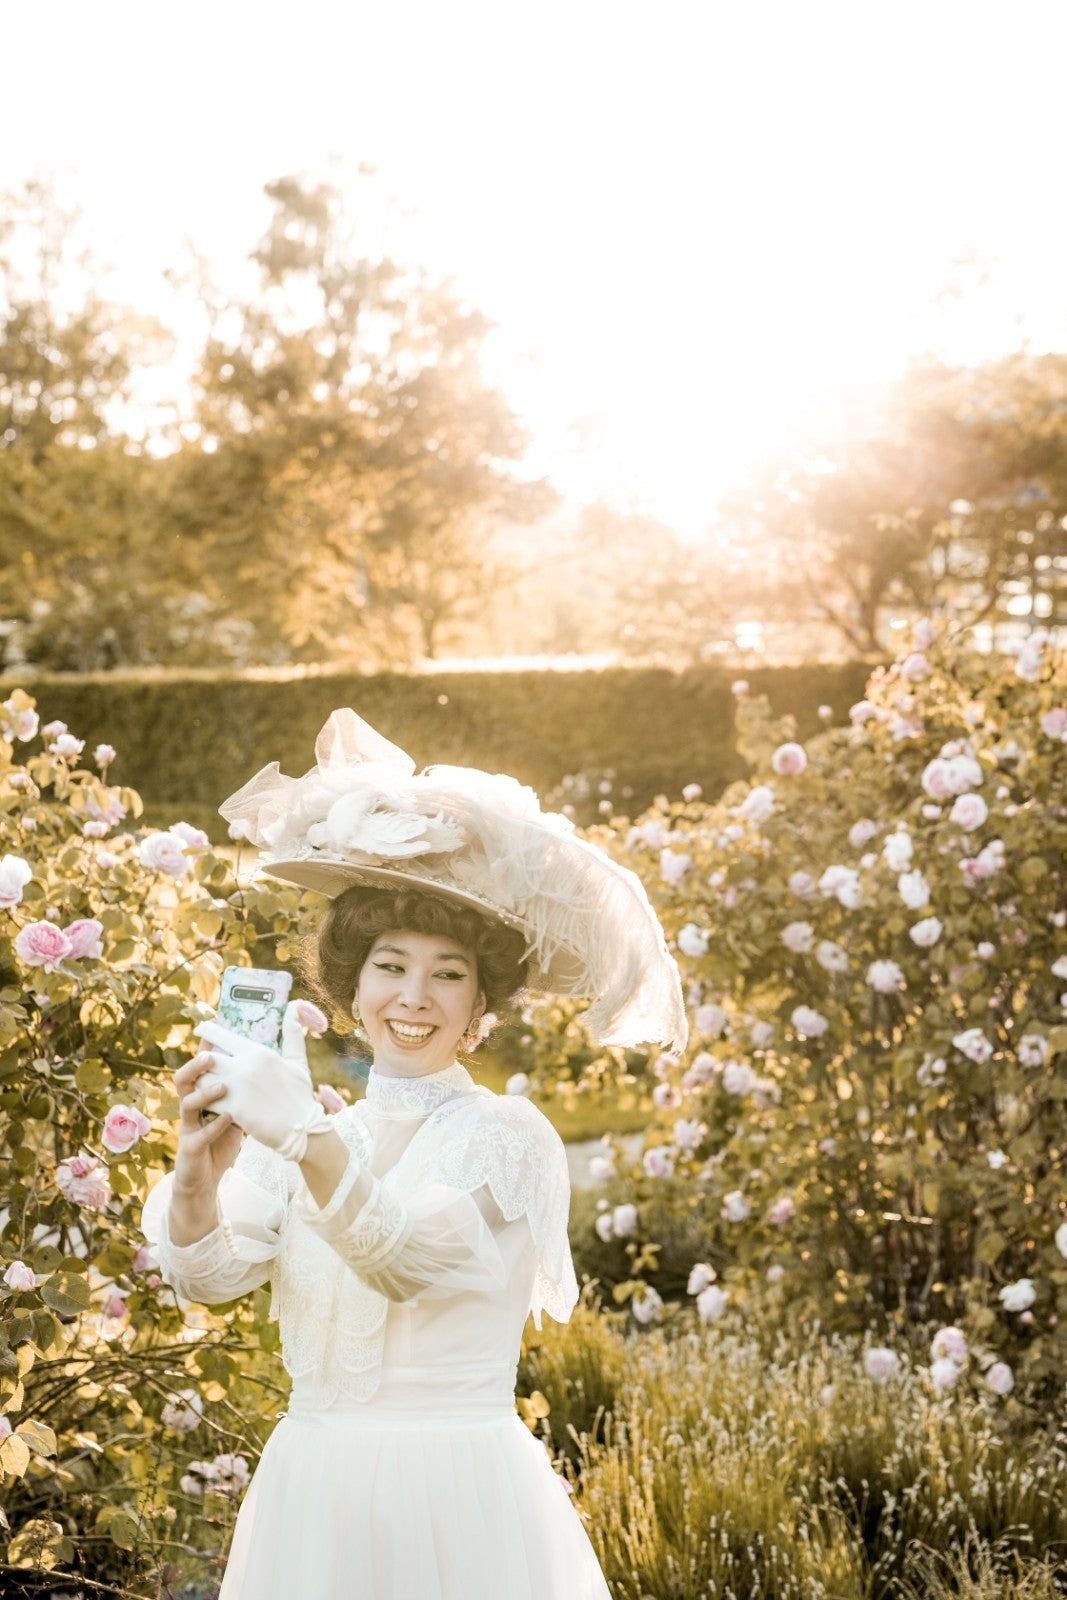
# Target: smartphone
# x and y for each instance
(253, 1002)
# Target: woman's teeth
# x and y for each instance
(409, 1034)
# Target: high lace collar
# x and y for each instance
(416, 1097)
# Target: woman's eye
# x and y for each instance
(456, 975)
(388, 966)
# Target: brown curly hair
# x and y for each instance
(334, 955)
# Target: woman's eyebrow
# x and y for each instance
(442, 955)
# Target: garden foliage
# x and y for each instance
(869, 1125)
(112, 940)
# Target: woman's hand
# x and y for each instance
(207, 1145)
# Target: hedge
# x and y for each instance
(185, 742)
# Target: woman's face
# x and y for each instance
(416, 996)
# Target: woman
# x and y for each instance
(406, 1238)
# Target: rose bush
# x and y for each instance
(874, 944)
(112, 943)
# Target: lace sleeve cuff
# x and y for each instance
(363, 1236)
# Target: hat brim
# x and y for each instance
(562, 975)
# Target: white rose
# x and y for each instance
(1033, 1050)
(182, 1411)
(761, 1034)
(914, 890)
(624, 1221)
(658, 1162)
(973, 1044)
(1059, 967)
(808, 1024)
(798, 937)
(757, 805)
(927, 932)
(943, 1375)
(647, 1305)
(775, 1272)
(885, 977)
(711, 1303)
(802, 884)
(950, 1344)
(518, 1083)
(862, 832)
(898, 850)
(1018, 1296)
(604, 1228)
(710, 1021)
(1000, 1378)
(735, 1208)
(15, 874)
(738, 1077)
(693, 941)
(601, 1169)
(881, 1364)
(1061, 1239)
(831, 956)
(700, 1276)
(673, 866)
(689, 1132)
(164, 852)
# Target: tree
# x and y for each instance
(349, 455)
(947, 494)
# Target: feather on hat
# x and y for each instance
(363, 815)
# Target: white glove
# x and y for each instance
(269, 1093)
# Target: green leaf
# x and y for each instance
(66, 1293)
(41, 1439)
(124, 1530)
(92, 1077)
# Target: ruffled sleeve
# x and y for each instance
(446, 1225)
(236, 1255)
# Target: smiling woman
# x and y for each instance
(450, 957)
(406, 1238)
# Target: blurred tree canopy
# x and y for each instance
(342, 484)
(331, 495)
(949, 496)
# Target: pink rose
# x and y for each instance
(115, 1307)
(84, 1181)
(20, 1277)
(1054, 723)
(311, 1019)
(164, 852)
(104, 754)
(123, 1126)
(42, 944)
(862, 712)
(192, 838)
(782, 1211)
(789, 760)
(84, 936)
(969, 811)
(658, 1162)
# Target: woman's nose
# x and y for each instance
(413, 990)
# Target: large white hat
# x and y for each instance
(363, 815)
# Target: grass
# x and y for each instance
(705, 1465)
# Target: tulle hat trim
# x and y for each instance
(363, 815)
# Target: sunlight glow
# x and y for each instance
(698, 235)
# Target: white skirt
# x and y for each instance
(371, 1503)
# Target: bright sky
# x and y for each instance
(696, 224)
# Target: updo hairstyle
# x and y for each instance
(335, 954)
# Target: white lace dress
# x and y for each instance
(401, 1470)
